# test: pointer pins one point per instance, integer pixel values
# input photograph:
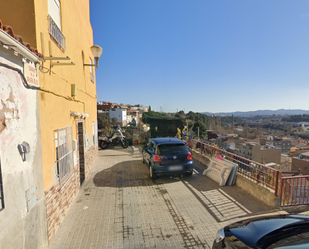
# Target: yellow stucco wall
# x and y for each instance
(56, 102)
(20, 16)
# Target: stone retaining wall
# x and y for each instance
(265, 195)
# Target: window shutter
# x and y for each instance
(54, 11)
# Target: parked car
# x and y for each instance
(281, 231)
(167, 156)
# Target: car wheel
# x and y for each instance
(151, 174)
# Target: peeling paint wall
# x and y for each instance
(23, 220)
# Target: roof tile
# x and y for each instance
(9, 30)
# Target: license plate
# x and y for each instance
(175, 168)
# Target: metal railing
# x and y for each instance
(294, 191)
(260, 174)
(64, 154)
(56, 33)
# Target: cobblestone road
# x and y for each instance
(119, 206)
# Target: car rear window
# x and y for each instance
(166, 149)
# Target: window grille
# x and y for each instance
(64, 154)
(1, 190)
(56, 33)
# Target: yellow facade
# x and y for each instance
(20, 16)
(55, 109)
(293, 149)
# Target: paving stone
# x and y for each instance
(123, 208)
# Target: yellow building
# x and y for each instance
(62, 32)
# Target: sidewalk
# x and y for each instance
(118, 206)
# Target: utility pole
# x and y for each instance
(187, 127)
(198, 133)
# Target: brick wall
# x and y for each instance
(58, 200)
(90, 157)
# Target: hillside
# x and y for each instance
(261, 112)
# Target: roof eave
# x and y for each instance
(17, 46)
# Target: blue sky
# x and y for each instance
(203, 55)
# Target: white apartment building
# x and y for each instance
(120, 114)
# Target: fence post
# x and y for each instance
(276, 183)
(258, 175)
(281, 185)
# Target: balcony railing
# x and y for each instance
(291, 190)
(294, 191)
(56, 33)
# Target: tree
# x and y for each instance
(104, 123)
(153, 114)
(114, 120)
(201, 127)
(177, 115)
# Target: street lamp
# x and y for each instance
(96, 51)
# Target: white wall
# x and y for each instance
(120, 114)
(23, 220)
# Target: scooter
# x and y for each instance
(105, 142)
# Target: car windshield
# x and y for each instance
(288, 237)
(300, 240)
(166, 149)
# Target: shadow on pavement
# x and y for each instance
(234, 193)
(131, 173)
(134, 173)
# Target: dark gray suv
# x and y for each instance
(266, 232)
(167, 156)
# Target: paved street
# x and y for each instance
(119, 206)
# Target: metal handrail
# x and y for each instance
(263, 175)
(292, 190)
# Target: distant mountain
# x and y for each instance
(260, 112)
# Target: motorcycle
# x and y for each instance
(105, 142)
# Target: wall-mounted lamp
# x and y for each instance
(23, 148)
(96, 51)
